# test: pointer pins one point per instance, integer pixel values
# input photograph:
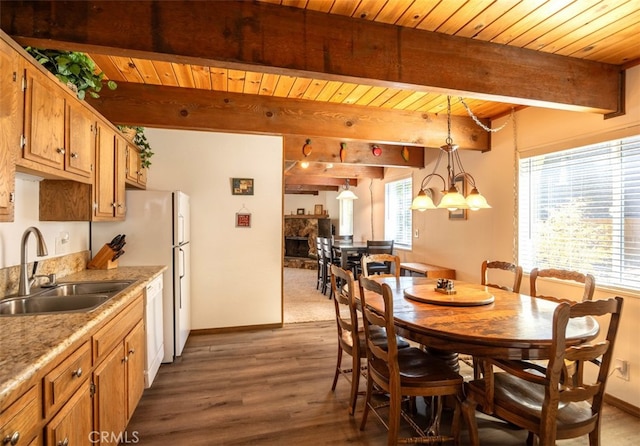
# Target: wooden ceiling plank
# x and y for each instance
(268, 84)
(183, 75)
(343, 92)
(252, 82)
(414, 97)
(506, 20)
(165, 73)
(442, 12)
(415, 13)
(465, 14)
(397, 98)
(127, 68)
(567, 18)
(327, 150)
(392, 11)
(485, 18)
(423, 101)
(591, 33)
(320, 5)
(314, 89)
(328, 91)
(201, 77)
(299, 88)
(343, 8)
(357, 94)
(170, 107)
(368, 9)
(285, 83)
(531, 20)
(235, 81)
(110, 70)
(383, 97)
(148, 71)
(329, 46)
(219, 78)
(370, 95)
(619, 53)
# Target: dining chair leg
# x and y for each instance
(355, 384)
(469, 413)
(395, 401)
(338, 365)
(367, 403)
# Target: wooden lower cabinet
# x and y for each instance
(110, 397)
(135, 348)
(20, 421)
(73, 424)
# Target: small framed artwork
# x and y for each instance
(460, 214)
(243, 220)
(242, 186)
(317, 210)
(300, 211)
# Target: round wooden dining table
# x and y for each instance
(507, 326)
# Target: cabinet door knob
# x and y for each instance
(77, 373)
(60, 150)
(74, 154)
(11, 439)
(125, 359)
(64, 442)
(132, 351)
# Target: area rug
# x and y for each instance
(302, 302)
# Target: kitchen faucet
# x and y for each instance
(24, 286)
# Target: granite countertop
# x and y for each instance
(28, 343)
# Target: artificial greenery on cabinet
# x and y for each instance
(140, 140)
(74, 69)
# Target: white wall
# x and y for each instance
(26, 215)
(236, 272)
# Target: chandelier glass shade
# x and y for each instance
(452, 198)
(346, 193)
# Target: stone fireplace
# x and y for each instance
(300, 232)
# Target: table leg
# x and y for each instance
(451, 358)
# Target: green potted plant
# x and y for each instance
(140, 140)
(74, 69)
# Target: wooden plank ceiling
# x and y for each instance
(602, 31)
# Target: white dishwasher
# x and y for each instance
(153, 325)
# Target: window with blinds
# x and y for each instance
(397, 221)
(579, 209)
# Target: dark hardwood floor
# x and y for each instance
(273, 387)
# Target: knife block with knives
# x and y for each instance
(107, 257)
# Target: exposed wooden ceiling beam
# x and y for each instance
(299, 42)
(183, 108)
(328, 150)
(317, 180)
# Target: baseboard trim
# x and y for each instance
(622, 405)
(206, 331)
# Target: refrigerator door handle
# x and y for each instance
(181, 229)
(181, 270)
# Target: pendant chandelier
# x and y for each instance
(452, 199)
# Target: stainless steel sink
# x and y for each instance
(51, 304)
(64, 297)
(82, 288)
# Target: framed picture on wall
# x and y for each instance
(243, 220)
(317, 210)
(460, 214)
(242, 186)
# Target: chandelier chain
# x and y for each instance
(480, 124)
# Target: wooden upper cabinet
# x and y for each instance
(104, 186)
(44, 125)
(11, 115)
(120, 169)
(136, 174)
(81, 138)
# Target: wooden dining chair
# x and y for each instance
(407, 372)
(329, 259)
(351, 332)
(322, 271)
(587, 280)
(353, 261)
(497, 266)
(389, 260)
(538, 398)
(379, 247)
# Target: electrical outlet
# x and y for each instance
(416, 233)
(622, 369)
(62, 243)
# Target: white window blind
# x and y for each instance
(397, 222)
(579, 209)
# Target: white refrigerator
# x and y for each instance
(157, 232)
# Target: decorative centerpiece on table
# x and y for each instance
(445, 286)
